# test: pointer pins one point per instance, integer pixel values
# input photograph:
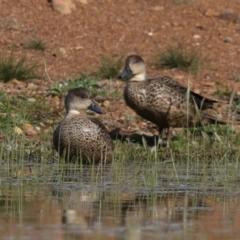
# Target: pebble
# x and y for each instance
(77, 48)
(31, 100)
(106, 104)
(62, 51)
(29, 129)
(18, 130)
(157, 8)
(31, 86)
(212, 13)
(228, 39)
(16, 82)
(196, 36)
(83, 1)
(38, 129)
(42, 124)
(63, 6)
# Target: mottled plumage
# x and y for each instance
(81, 138)
(162, 100)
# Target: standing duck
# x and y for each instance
(79, 137)
(163, 101)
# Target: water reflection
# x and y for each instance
(80, 210)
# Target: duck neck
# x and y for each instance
(73, 112)
(139, 77)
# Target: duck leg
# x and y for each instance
(169, 136)
(160, 136)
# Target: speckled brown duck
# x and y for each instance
(79, 137)
(162, 100)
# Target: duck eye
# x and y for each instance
(83, 96)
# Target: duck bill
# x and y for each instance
(95, 108)
(126, 73)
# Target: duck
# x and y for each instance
(82, 138)
(162, 100)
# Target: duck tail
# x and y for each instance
(209, 119)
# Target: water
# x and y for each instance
(87, 204)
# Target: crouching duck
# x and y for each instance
(79, 137)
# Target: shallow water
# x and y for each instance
(94, 203)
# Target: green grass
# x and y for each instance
(188, 60)
(226, 93)
(199, 157)
(109, 67)
(36, 44)
(17, 110)
(195, 160)
(235, 75)
(10, 68)
(202, 165)
(90, 83)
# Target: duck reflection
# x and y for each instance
(76, 210)
(127, 213)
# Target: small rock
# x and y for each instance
(49, 121)
(175, 24)
(55, 101)
(106, 104)
(83, 1)
(38, 129)
(16, 82)
(42, 124)
(79, 47)
(62, 51)
(157, 8)
(228, 39)
(63, 6)
(31, 86)
(196, 36)
(29, 129)
(18, 130)
(31, 100)
(212, 13)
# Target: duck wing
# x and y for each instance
(201, 101)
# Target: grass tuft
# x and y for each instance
(16, 69)
(109, 67)
(61, 88)
(226, 93)
(181, 58)
(36, 44)
(235, 75)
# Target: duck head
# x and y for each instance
(79, 99)
(134, 68)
